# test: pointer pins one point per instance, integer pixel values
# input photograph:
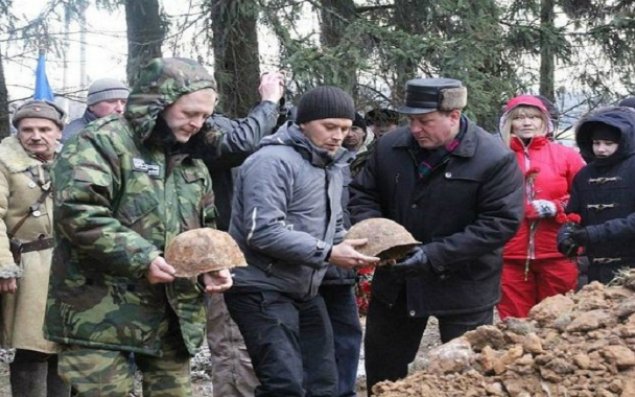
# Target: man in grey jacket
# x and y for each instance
(287, 219)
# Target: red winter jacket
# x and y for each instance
(549, 169)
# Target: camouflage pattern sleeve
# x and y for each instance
(86, 180)
(209, 210)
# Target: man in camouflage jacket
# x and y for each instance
(123, 189)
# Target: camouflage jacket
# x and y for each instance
(120, 196)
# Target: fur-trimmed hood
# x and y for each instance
(14, 157)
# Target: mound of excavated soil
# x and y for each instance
(579, 345)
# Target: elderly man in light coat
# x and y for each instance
(26, 227)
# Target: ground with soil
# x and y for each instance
(202, 370)
(579, 345)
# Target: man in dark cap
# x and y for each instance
(287, 220)
(458, 190)
(357, 135)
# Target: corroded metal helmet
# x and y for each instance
(203, 250)
(386, 238)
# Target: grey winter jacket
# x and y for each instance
(287, 214)
(77, 125)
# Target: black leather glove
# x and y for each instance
(415, 264)
(580, 235)
(568, 236)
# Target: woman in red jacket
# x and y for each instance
(533, 269)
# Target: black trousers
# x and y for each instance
(290, 343)
(347, 334)
(393, 337)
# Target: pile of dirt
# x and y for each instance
(579, 345)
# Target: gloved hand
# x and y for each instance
(570, 237)
(415, 264)
(539, 209)
(580, 235)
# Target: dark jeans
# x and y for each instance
(290, 343)
(347, 334)
(34, 374)
(392, 337)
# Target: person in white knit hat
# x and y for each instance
(105, 97)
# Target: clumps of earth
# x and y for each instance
(578, 345)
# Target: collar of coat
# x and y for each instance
(467, 148)
(14, 157)
(517, 144)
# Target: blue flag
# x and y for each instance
(43, 90)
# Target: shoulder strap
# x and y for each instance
(32, 208)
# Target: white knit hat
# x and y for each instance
(105, 89)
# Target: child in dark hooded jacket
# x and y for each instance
(603, 194)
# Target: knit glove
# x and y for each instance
(540, 209)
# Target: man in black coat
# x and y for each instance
(458, 190)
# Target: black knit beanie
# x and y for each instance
(325, 102)
(359, 121)
(605, 132)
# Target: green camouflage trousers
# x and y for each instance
(106, 373)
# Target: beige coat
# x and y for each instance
(21, 178)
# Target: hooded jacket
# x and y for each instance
(123, 189)
(549, 169)
(287, 214)
(603, 193)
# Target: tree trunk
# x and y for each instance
(236, 56)
(336, 15)
(407, 17)
(5, 129)
(547, 55)
(146, 32)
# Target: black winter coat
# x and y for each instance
(463, 213)
(603, 194)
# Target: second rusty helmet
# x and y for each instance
(386, 238)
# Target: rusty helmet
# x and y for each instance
(203, 250)
(386, 238)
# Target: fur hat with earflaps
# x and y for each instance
(430, 95)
